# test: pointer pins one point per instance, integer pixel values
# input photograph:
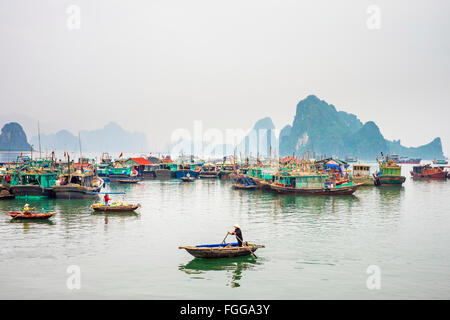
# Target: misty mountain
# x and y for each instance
(13, 138)
(111, 138)
(318, 127)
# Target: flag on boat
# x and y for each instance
(121, 154)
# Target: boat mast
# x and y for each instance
(81, 155)
(39, 137)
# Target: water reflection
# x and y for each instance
(233, 267)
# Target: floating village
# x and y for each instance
(86, 179)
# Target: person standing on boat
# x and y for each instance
(106, 198)
(238, 233)
(8, 178)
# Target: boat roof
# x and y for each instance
(141, 161)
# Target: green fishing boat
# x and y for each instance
(389, 173)
(33, 179)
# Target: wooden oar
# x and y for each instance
(251, 251)
(223, 241)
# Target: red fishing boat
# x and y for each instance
(428, 172)
(31, 215)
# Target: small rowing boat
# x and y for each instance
(31, 216)
(115, 207)
(188, 179)
(245, 183)
(222, 250)
(128, 180)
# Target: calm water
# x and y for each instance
(316, 247)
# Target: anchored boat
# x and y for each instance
(209, 170)
(428, 172)
(361, 174)
(77, 185)
(389, 173)
(310, 184)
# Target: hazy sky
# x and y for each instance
(155, 66)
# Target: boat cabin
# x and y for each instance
(361, 170)
(306, 181)
(82, 179)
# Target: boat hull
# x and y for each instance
(241, 186)
(32, 216)
(388, 180)
(209, 175)
(69, 192)
(365, 181)
(129, 208)
(183, 173)
(341, 191)
(221, 252)
(27, 190)
(434, 176)
(164, 173)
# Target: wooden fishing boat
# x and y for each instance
(245, 183)
(361, 174)
(324, 191)
(128, 181)
(188, 179)
(310, 184)
(77, 186)
(428, 172)
(209, 170)
(31, 216)
(440, 161)
(100, 207)
(389, 173)
(223, 250)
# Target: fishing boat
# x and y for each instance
(115, 207)
(209, 170)
(185, 169)
(143, 167)
(128, 181)
(440, 161)
(245, 183)
(227, 172)
(188, 179)
(166, 169)
(77, 185)
(406, 160)
(222, 250)
(361, 174)
(31, 216)
(310, 184)
(351, 159)
(122, 171)
(263, 177)
(389, 173)
(33, 179)
(428, 172)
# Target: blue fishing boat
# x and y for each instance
(185, 169)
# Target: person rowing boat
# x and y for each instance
(106, 198)
(27, 209)
(238, 233)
